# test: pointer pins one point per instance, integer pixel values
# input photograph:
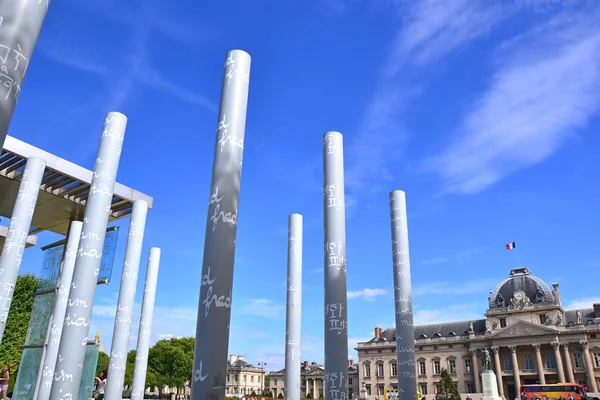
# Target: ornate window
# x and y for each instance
(379, 370)
(394, 369)
(528, 360)
(368, 387)
(577, 360)
(470, 386)
(543, 319)
(367, 369)
(452, 334)
(452, 366)
(507, 363)
(436, 367)
(590, 322)
(380, 389)
(597, 359)
(423, 388)
(502, 322)
(437, 335)
(468, 365)
(422, 368)
(549, 361)
(422, 336)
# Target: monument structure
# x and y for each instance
(129, 278)
(81, 297)
(405, 330)
(59, 309)
(336, 313)
(294, 309)
(20, 25)
(214, 306)
(488, 378)
(143, 343)
(18, 230)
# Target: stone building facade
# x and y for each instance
(312, 377)
(529, 336)
(243, 378)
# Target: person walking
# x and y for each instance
(4, 381)
(100, 385)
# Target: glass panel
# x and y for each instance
(89, 371)
(27, 374)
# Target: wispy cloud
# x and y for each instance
(585, 302)
(316, 271)
(429, 30)
(261, 308)
(434, 261)
(454, 287)
(459, 312)
(366, 294)
(544, 88)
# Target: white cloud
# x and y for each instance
(447, 288)
(433, 261)
(261, 308)
(545, 87)
(367, 294)
(579, 304)
(461, 312)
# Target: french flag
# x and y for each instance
(511, 246)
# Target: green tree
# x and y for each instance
(171, 362)
(280, 396)
(103, 361)
(309, 395)
(129, 368)
(253, 394)
(447, 388)
(18, 321)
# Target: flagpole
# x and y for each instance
(518, 258)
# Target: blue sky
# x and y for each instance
(485, 113)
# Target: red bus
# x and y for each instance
(558, 391)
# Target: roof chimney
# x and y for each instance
(597, 310)
(240, 358)
(305, 364)
(350, 362)
(377, 332)
(232, 358)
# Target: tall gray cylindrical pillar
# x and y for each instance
(129, 277)
(214, 305)
(67, 377)
(293, 324)
(18, 230)
(20, 25)
(59, 310)
(405, 331)
(336, 313)
(143, 342)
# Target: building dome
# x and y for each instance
(521, 290)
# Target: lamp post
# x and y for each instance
(262, 365)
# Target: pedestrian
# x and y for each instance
(4, 381)
(100, 385)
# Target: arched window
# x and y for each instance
(437, 335)
(590, 322)
(452, 334)
(422, 336)
(466, 333)
(571, 323)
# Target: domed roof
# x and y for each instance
(521, 290)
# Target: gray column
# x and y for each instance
(18, 230)
(20, 24)
(539, 363)
(498, 368)
(476, 377)
(129, 277)
(516, 373)
(294, 309)
(559, 364)
(589, 366)
(405, 330)
(143, 342)
(59, 310)
(336, 313)
(568, 364)
(214, 306)
(71, 354)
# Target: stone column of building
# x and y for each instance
(18, 230)
(126, 300)
(475, 370)
(20, 27)
(559, 364)
(315, 389)
(73, 341)
(589, 366)
(540, 364)
(143, 343)
(59, 310)
(515, 362)
(294, 308)
(214, 308)
(568, 364)
(336, 301)
(405, 330)
(498, 368)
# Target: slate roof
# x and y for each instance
(461, 328)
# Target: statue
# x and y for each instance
(549, 320)
(539, 296)
(471, 330)
(488, 325)
(500, 300)
(519, 301)
(559, 318)
(579, 317)
(487, 359)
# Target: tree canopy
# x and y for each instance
(447, 388)
(18, 321)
